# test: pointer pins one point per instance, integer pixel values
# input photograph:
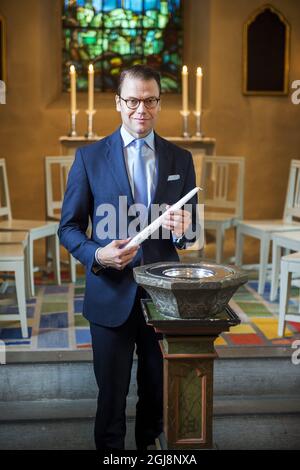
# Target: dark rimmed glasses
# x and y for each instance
(133, 103)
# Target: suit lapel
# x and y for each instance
(117, 166)
(164, 167)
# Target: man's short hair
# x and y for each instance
(143, 72)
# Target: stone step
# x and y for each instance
(247, 423)
(75, 380)
(45, 410)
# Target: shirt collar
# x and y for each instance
(128, 138)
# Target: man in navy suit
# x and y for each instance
(137, 163)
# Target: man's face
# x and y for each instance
(138, 122)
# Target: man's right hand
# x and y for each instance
(114, 256)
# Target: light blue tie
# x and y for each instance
(140, 176)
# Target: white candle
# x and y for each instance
(147, 232)
(91, 88)
(198, 89)
(184, 74)
(73, 88)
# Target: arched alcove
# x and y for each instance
(266, 53)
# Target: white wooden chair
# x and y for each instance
(264, 229)
(223, 183)
(17, 238)
(198, 156)
(56, 170)
(12, 258)
(282, 240)
(36, 229)
(56, 173)
(290, 264)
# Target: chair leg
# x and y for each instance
(48, 251)
(27, 274)
(219, 244)
(72, 263)
(20, 289)
(285, 282)
(239, 246)
(54, 244)
(263, 262)
(275, 270)
(30, 267)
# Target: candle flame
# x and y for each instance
(72, 68)
(91, 68)
(199, 71)
(184, 69)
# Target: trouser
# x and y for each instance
(113, 350)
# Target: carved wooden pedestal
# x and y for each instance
(188, 352)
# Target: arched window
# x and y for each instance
(266, 52)
(113, 34)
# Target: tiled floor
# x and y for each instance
(56, 323)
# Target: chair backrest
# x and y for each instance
(198, 157)
(292, 200)
(56, 170)
(5, 208)
(223, 182)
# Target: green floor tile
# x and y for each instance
(81, 321)
(254, 309)
(239, 297)
(79, 290)
(54, 307)
(62, 298)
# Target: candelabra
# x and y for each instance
(197, 114)
(185, 123)
(90, 134)
(73, 132)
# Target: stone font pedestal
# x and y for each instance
(188, 354)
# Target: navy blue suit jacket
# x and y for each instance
(98, 175)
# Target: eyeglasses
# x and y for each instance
(133, 103)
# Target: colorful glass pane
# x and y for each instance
(113, 34)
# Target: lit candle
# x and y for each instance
(184, 75)
(91, 88)
(198, 90)
(73, 88)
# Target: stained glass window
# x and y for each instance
(113, 34)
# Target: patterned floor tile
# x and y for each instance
(54, 307)
(254, 309)
(54, 320)
(56, 289)
(51, 298)
(81, 321)
(269, 327)
(220, 341)
(242, 329)
(12, 333)
(83, 336)
(246, 339)
(53, 339)
(78, 305)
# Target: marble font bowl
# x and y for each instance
(196, 290)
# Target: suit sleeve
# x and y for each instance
(189, 184)
(77, 206)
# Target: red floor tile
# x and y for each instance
(246, 339)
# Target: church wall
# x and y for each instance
(263, 129)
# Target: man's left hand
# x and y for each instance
(177, 221)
